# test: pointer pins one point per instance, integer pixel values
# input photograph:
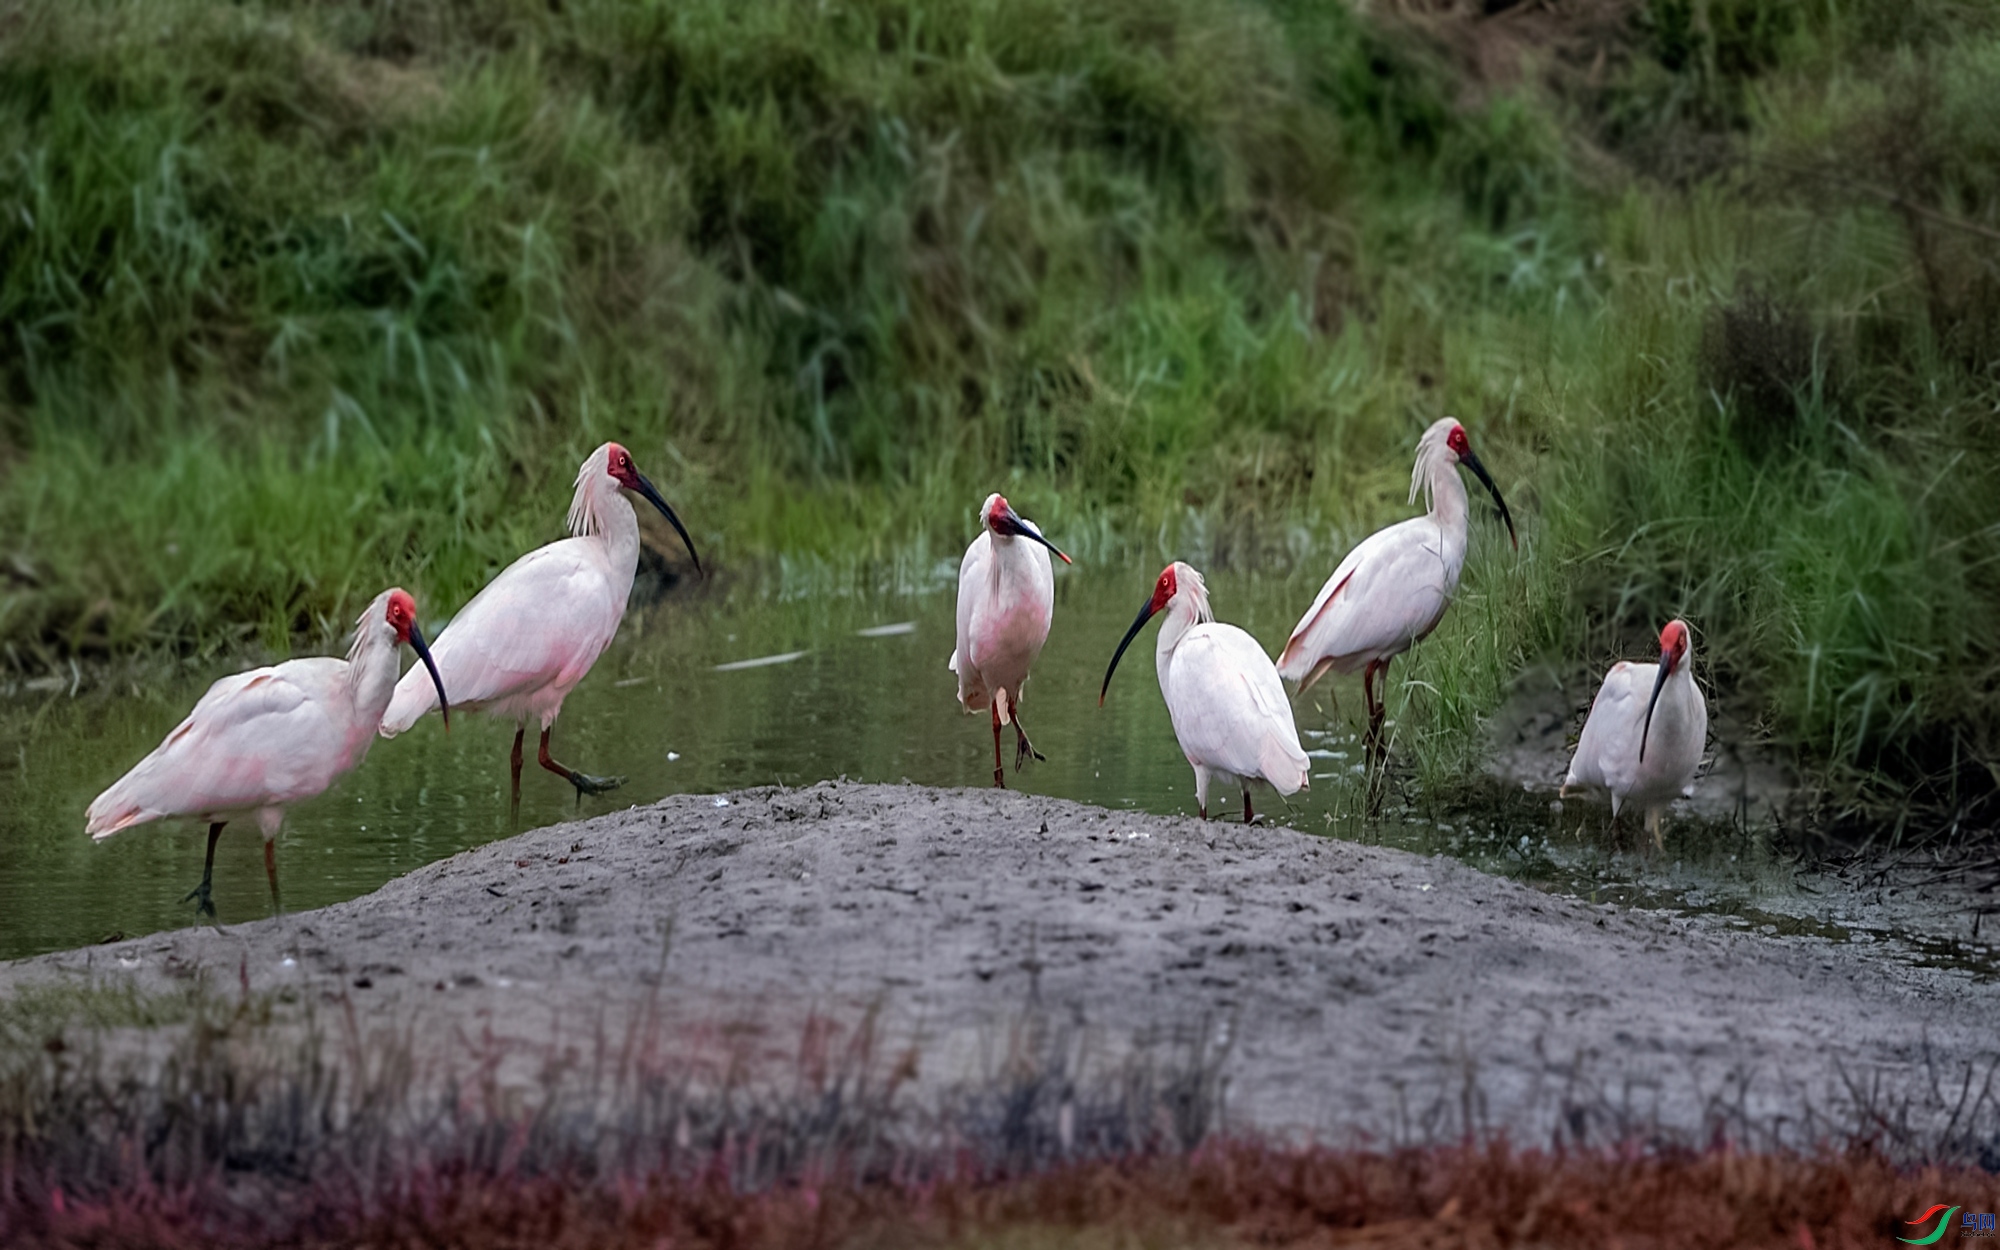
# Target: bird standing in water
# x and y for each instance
(1645, 755)
(1006, 601)
(528, 638)
(260, 740)
(1226, 701)
(1393, 588)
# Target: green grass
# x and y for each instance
(304, 299)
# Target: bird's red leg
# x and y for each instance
(514, 804)
(1377, 707)
(206, 907)
(1378, 753)
(271, 870)
(1249, 817)
(584, 782)
(999, 770)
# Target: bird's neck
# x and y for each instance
(1180, 618)
(1448, 510)
(1677, 697)
(371, 675)
(1448, 501)
(1010, 557)
(615, 526)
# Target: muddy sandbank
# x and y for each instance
(1341, 988)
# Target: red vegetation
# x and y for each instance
(1219, 1195)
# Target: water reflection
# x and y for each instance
(703, 694)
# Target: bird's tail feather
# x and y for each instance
(1285, 766)
(112, 811)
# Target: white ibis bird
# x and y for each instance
(524, 642)
(1644, 756)
(1006, 599)
(260, 740)
(1393, 588)
(1223, 694)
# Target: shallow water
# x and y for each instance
(852, 683)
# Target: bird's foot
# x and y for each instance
(1025, 751)
(206, 905)
(587, 784)
(1000, 778)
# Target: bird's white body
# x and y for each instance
(1393, 588)
(1006, 602)
(1608, 756)
(1228, 707)
(525, 640)
(260, 740)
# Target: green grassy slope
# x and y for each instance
(301, 299)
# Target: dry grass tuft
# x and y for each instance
(234, 1126)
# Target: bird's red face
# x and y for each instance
(622, 470)
(1673, 650)
(618, 463)
(402, 617)
(1163, 593)
(1002, 519)
(1673, 645)
(1461, 449)
(402, 614)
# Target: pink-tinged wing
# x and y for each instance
(1011, 606)
(1229, 708)
(972, 577)
(1698, 736)
(1389, 591)
(972, 587)
(1607, 752)
(256, 739)
(542, 622)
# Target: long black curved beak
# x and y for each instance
(1138, 623)
(1471, 461)
(1659, 684)
(418, 645)
(653, 497)
(1016, 525)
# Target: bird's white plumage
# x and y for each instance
(1393, 588)
(525, 640)
(1006, 603)
(1228, 706)
(262, 739)
(1607, 753)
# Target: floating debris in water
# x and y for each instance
(762, 661)
(887, 631)
(672, 756)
